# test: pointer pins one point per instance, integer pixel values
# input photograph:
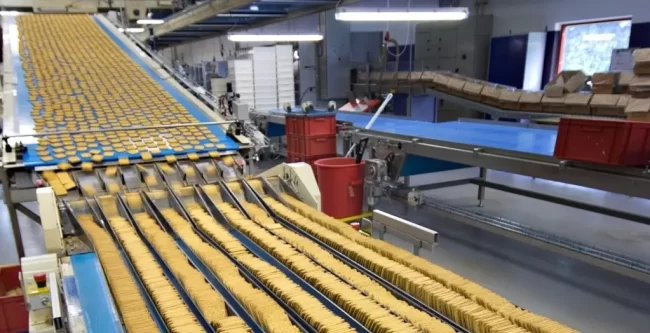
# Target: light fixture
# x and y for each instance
(133, 30)
(150, 21)
(403, 14)
(275, 38)
(9, 13)
(254, 8)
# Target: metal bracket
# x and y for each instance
(419, 237)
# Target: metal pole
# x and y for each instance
(124, 129)
(481, 188)
(13, 216)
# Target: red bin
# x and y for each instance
(13, 313)
(340, 180)
(604, 141)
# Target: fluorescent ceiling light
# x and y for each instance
(150, 21)
(275, 38)
(598, 37)
(404, 14)
(9, 13)
(254, 8)
(134, 30)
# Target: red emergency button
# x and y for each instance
(40, 279)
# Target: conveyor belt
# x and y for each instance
(523, 139)
(27, 93)
(255, 195)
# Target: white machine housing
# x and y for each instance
(44, 304)
(300, 178)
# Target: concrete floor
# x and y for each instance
(569, 291)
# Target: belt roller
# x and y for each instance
(127, 214)
(84, 206)
(272, 191)
(254, 248)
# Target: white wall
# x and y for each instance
(201, 50)
(522, 16)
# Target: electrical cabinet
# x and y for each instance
(460, 47)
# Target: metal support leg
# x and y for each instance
(28, 212)
(13, 216)
(481, 189)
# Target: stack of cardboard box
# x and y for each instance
(639, 106)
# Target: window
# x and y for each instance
(588, 46)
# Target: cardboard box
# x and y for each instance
(403, 77)
(440, 81)
(362, 77)
(566, 81)
(490, 94)
(605, 79)
(605, 105)
(640, 87)
(509, 99)
(602, 90)
(638, 109)
(455, 85)
(531, 101)
(624, 81)
(472, 90)
(416, 77)
(578, 103)
(374, 76)
(428, 78)
(642, 62)
(553, 104)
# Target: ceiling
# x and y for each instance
(249, 14)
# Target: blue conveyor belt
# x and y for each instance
(24, 107)
(99, 313)
(522, 139)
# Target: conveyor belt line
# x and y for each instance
(153, 310)
(168, 272)
(397, 292)
(261, 253)
(293, 315)
(233, 304)
(251, 197)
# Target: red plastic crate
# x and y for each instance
(310, 124)
(312, 145)
(13, 314)
(604, 141)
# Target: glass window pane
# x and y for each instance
(588, 47)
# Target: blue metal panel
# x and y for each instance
(275, 130)
(508, 60)
(94, 296)
(417, 165)
(551, 53)
(640, 35)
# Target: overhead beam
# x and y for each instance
(197, 14)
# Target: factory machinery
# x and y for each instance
(153, 222)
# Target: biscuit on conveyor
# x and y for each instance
(460, 299)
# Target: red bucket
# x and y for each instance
(341, 186)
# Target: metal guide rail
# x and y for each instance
(208, 203)
(280, 186)
(152, 176)
(153, 207)
(83, 206)
(173, 279)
